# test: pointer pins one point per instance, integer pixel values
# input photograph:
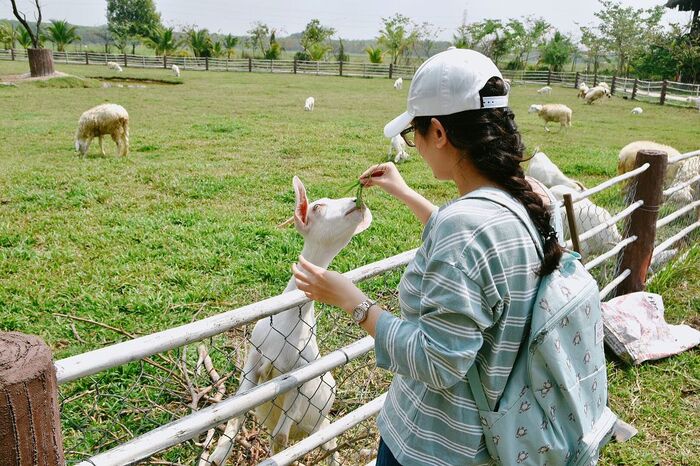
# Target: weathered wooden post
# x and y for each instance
(664, 87)
(125, 62)
(165, 62)
(340, 67)
(612, 86)
(206, 63)
(642, 223)
(12, 54)
(295, 65)
(549, 77)
(595, 79)
(250, 65)
(571, 221)
(634, 88)
(576, 80)
(87, 60)
(30, 427)
(391, 70)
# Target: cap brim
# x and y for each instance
(398, 124)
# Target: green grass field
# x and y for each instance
(185, 227)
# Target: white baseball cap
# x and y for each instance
(447, 83)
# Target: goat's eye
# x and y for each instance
(316, 207)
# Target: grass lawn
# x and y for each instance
(185, 227)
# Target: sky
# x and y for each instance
(359, 19)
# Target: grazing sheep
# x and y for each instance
(583, 90)
(546, 90)
(628, 156)
(587, 216)
(552, 112)
(98, 121)
(176, 70)
(112, 65)
(399, 146)
(596, 93)
(545, 171)
(309, 104)
(398, 84)
(637, 111)
(695, 101)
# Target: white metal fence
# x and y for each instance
(150, 368)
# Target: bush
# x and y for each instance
(302, 56)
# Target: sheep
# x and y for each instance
(309, 104)
(637, 111)
(604, 85)
(287, 341)
(176, 70)
(398, 84)
(552, 112)
(587, 216)
(112, 65)
(694, 101)
(686, 170)
(399, 146)
(98, 121)
(596, 93)
(546, 90)
(582, 90)
(546, 172)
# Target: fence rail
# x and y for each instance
(663, 92)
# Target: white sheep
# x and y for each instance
(546, 172)
(694, 101)
(309, 104)
(604, 85)
(546, 90)
(552, 112)
(176, 70)
(583, 90)
(399, 146)
(596, 93)
(587, 216)
(686, 170)
(112, 65)
(98, 121)
(398, 84)
(637, 111)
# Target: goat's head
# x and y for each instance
(534, 108)
(81, 145)
(328, 223)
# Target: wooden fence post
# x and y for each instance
(549, 77)
(165, 61)
(250, 65)
(295, 65)
(87, 60)
(571, 221)
(576, 80)
(125, 62)
(30, 425)
(612, 86)
(634, 88)
(206, 63)
(12, 54)
(391, 70)
(595, 79)
(642, 223)
(340, 67)
(664, 87)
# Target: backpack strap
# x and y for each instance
(477, 389)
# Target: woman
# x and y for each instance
(468, 294)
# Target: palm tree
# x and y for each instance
(318, 50)
(376, 55)
(200, 42)
(229, 43)
(61, 33)
(162, 41)
(8, 35)
(25, 40)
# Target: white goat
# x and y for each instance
(176, 70)
(546, 90)
(309, 104)
(399, 146)
(637, 111)
(587, 216)
(287, 341)
(596, 93)
(398, 84)
(552, 112)
(112, 65)
(582, 90)
(545, 171)
(99, 121)
(694, 101)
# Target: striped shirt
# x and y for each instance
(467, 296)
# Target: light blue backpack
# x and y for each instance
(553, 410)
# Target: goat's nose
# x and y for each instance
(354, 199)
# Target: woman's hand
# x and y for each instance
(326, 286)
(387, 177)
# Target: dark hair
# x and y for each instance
(490, 139)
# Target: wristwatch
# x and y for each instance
(359, 314)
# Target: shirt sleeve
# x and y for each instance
(441, 346)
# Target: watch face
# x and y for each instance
(359, 314)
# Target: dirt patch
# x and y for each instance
(133, 80)
(26, 77)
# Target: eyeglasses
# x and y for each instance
(409, 136)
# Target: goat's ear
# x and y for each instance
(366, 222)
(302, 203)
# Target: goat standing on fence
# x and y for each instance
(287, 341)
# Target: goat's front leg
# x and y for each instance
(102, 146)
(545, 127)
(289, 415)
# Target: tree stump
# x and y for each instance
(30, 429)
(40, 62)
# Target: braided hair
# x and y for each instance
(490, 139)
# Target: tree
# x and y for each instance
(275, 50)
(106, 38)
(341, 55)
(537, 29)
(426, 36)
(40, 59)
(557, 51)
(688, 5)
(627, 30)
(130, 20)
(8, 35)
(259, 37)
(397, 35)
(61, 34)
(162, 41)
(200, 42)
(375, 55)
(595, 47)
(229, 43)
(25, 40)
(314, 40)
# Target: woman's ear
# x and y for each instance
(439, 133)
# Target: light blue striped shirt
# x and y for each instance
(467, 295)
